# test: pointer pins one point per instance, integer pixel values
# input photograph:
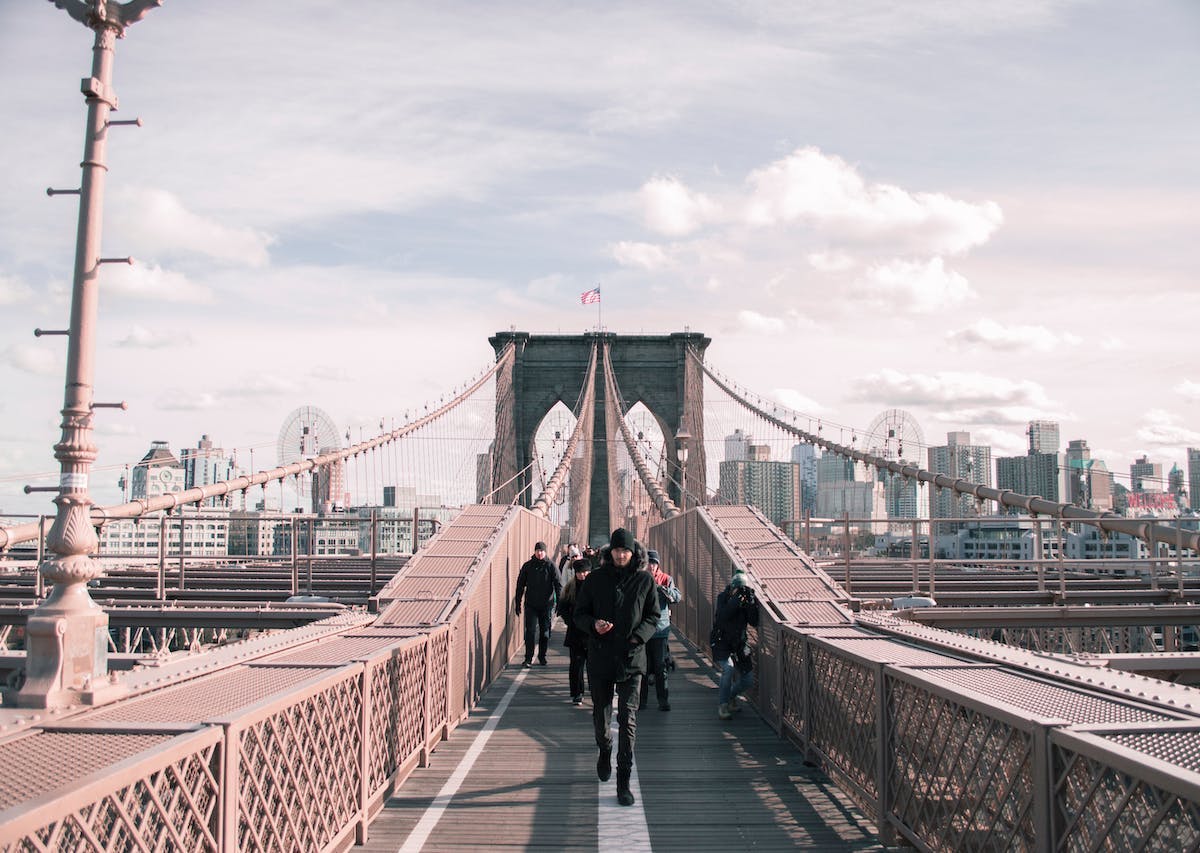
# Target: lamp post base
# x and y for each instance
(66, 657)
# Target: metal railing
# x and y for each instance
(294, 751)
(951, 743)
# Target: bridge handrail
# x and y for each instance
(952, 742)
(1033, 504)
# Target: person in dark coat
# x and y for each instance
(538, 587)
(576, 640)
(618, 609)
(736, 609)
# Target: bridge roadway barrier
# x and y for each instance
(950, 743)
(290, 741)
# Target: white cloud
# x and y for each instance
(329, 372)
(154, 222)
(996, 336)
(759, 324)
(799, 402)
(949, 388)
(1189, 389)
(150, 281)
(827, 192)
(13, 291)
(139, 337)
(918, 287)
(831, 261)
(1159, 429)
(262, 385)
(40, 360)
(177, 400)
(670, 208)
(647, 256)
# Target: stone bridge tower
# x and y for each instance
(547, 369)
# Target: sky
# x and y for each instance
(981, 213)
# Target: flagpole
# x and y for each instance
(599, 310)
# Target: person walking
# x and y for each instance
(618, 609)
(576, 640)
(656, 648)
(538, 588)
(736, 609)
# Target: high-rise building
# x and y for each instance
(204, 465)
(1043, 437)
(158, 473)
(1035, 474)
(1089, 482)
(1193, 475)
(1176, 481)
(959, 459)
(1145, 476)
(737, 446)
(805, 455)
(775, 488)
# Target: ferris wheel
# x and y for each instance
(895, 435)
(305, 433)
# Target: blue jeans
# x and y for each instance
(733, 682)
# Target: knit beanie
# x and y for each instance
(652, 556)
(540, 546)
(622, 538)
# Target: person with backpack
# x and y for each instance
(736, 610)
(656, 648)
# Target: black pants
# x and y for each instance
(602, 696)
(578, 665)
(656, 663)
(537, 622)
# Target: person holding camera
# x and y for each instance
(618, 609)
(576, 640)
(656, 649)
(736, 610)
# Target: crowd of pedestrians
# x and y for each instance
(616, 606)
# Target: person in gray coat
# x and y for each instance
(618, 609)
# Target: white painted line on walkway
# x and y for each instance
(420, 834)
(621, 827)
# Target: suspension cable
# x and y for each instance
(583, 426)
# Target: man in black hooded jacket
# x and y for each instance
(618, 610)
(538, 588)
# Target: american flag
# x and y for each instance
(590, 296)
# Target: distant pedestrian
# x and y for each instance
(576, 640)
(618, 608)
(736, 609)
(567, 555)
(656, 648)
(538, 587)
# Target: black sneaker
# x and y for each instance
(665, 706)
(527, 664)
(625, 797)
(541, 661)
(577, 700)
(604, 764)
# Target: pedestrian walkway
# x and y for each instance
(520, 773)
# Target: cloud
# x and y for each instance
(917, 287)
(826, 192)
(1188, 389)
(31, 358)
(989, 333)
(759, 324)
(973, 392)
(831, 261)
(262, 385)
(150, 281)
(13, 291)
(799, 402)
(329, 372)
(1159, 429)
(154, 222)
(670, 208)
(177, 400)
(645, 256)
(139, 337)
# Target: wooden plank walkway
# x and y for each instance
(701, 783)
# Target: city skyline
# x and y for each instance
(943, 209)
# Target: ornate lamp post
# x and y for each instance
(67, 636)
(682, 439)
